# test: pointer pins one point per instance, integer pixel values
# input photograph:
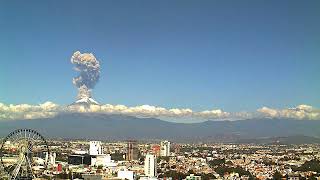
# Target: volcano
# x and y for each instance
(84, 101)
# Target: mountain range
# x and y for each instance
(122, 127)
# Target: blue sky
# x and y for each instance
(234, 55)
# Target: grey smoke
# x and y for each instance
(89, 68)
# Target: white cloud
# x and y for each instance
(268, 112)
(141, 111)
(49, 109)
(300, 112)
(26, 111)
(213, 114)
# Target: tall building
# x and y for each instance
(50, 158)
(95, 148)
(132, 150)
(150, 165)
(165, 148)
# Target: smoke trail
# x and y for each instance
(89, 69)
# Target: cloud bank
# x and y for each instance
(300, 112)
(50, 109)
(26, 111)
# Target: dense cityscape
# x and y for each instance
(88, 160)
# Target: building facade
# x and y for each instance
(95, 148)
(132, 150)
(165, 148)
(150, 165)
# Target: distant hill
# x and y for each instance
(121, 127)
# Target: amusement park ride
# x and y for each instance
(21, 151)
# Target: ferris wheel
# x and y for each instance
(23, 150)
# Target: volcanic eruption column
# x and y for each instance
(89, 68)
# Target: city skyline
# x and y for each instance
(209, 57)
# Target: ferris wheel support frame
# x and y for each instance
(27, 136)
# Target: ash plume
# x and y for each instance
(89, 68)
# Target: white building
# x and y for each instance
(95, 148)
(150, 165)
(124, 174)
(165, 148)
(80, 152)
(50, 158)
(103, 160)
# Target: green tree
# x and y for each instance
(216, 162)
(313, 165)
(221, 170)
(174, 175)
(207, 176)
(277, 175)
